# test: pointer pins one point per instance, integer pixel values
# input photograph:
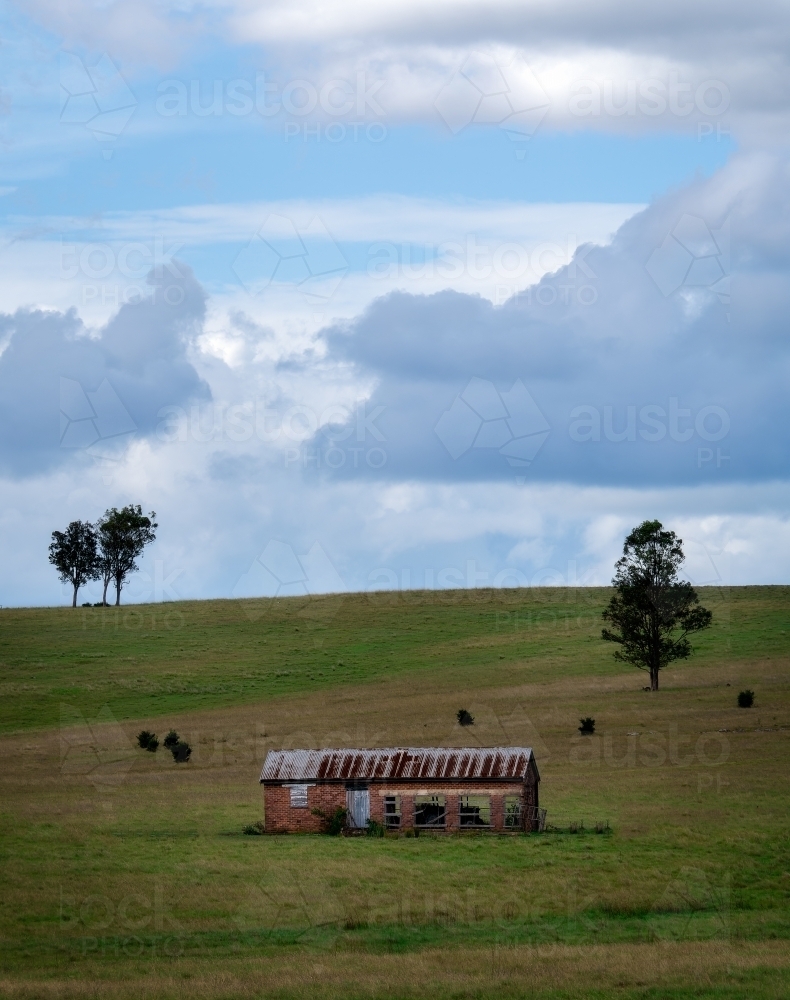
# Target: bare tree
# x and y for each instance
(74, 555)
(652, 611)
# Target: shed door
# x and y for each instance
(358, 805)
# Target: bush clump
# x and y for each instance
(181, 751)
(746, 699)
(465, 718)
(332, 823)
(587, 726)
(254, 829)
(374, 829)
(171, 739)
(147, 741)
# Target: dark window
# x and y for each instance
(512, 812)
(475, 810)
(392, 811)
(429, 810)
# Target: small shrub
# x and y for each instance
(181, 751)
(746, 699)
(465, 718)
(254, 829)
(374, 829)
(603, 827)
(332, 823)
(153, 744)
(87, 604)
(171, 739)
(587, 726)
(144, 738)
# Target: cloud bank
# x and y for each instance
(63, 389)
(615, 66)
(661, 358)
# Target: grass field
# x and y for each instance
(127, 875)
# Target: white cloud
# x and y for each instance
(488, 248)
(243, 468)
(462, 534)
(728, 55)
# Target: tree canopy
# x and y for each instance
(74, 555)
(652, 612)
(123, 534)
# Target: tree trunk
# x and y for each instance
(74, 599)
(104, 595)
(654, 678)
(117, 593)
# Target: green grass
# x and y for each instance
(148, 660)
(124, 872)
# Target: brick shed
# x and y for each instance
(491, 788)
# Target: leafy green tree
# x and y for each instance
(652, 612)
(74, 555)
(123, 534)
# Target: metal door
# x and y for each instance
(358, 806)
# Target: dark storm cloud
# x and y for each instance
(662, 358)
(62, 390)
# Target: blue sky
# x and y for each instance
(419, 299)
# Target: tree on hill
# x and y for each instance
(123, 534)
(652, 612)
(74, 555)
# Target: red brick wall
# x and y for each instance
(280, 817)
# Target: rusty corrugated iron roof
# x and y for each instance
(398, 764)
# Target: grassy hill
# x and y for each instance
(129, 875)
(148, 660)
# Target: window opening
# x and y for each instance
(429, 810)
(475, 810)
(512, 812)
(392, 811)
